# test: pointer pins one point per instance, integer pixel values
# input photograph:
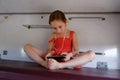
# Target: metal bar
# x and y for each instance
(97, 53)
(102, 18)
(34, 13)
(37, 26)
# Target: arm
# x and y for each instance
(50, 46)
(75, 44)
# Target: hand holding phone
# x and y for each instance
(56, 57)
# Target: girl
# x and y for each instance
(62, 42)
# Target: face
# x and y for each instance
(59, 26)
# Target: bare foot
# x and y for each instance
(53, 64)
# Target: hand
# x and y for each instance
(49, 54)
(67, 56)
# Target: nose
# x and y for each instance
(58, 30)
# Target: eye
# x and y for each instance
(60, 26)
(55, 28)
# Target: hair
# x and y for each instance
(57, 15)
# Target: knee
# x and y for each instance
(27, 46)
(91, 54)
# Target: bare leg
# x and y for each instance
(79, 60)
(35, 54)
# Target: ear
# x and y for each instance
(66, 21)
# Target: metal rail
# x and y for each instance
(102, 18)
(37, 26)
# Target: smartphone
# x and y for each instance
(56, 57)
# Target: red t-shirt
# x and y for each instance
(62, 45)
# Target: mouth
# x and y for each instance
(59, 32)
